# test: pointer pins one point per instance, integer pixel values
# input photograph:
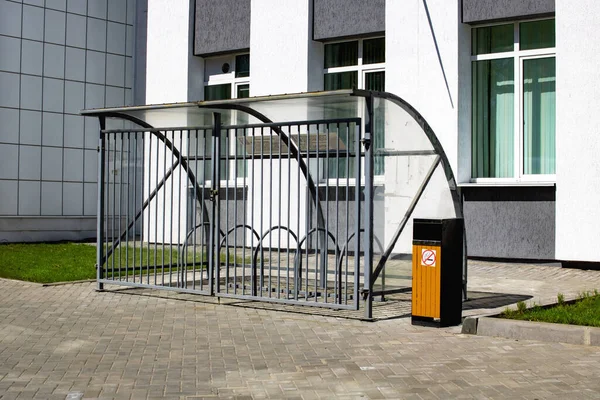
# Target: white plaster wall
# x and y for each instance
(425, 62)
(167, 51)
(281, 48)
(173, 75)
(413, 69)
(283, 59)
(577, 130)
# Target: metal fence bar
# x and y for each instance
(298, 263)
(180, 257)
(213, 260)
(368, 239)
(270, 287)
(357, 205)
(156, 203)
(149, 168)
(172, 178)
(253, 276)
(194, 210)
(164, 190)
(100, 209)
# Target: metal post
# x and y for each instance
(213, 256)
(368, 269)
(100, 207)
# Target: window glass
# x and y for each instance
(370, 78)
(217, 92)
(341, 54)
(374, 51)
(537, 34)
(493, 118)
(539, 115)
(243, 91)
(492, 39)
(341, 80)
(242, 66)
(375, 81)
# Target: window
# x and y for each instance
(513, 101)
(231, 82)
(356, 64)
(228, 77)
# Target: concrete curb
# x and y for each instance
(67, 282)
(528, 330)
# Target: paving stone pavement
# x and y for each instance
(70, 339)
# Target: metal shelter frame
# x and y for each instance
(146, 118)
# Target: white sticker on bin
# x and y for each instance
(428, 257)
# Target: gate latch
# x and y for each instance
(366, 142)
(213, 194)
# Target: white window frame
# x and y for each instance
(223, 79)
(518, 57)
(362, 70)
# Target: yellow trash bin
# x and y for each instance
(437, 256)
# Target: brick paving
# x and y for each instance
(69, 340)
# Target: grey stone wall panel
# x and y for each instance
(221, 26)
(510, 222)
(482, 11)
(346, 18)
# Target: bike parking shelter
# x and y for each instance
(300, 199)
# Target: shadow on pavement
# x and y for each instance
(482, 300)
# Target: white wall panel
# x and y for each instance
(29, 198)
(52, 129)
(10, 54)
(9, 157)
(8, 197)
(54, 26)
(9, 128)
(32, 57)
(9, 89)
(10, 18)
(577, 130)
(31, 127)
(29, 162)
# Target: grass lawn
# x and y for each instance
(45, 263)
(64, 262)
(585, 311)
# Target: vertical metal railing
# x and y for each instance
(270, 212)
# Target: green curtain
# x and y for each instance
(243, 92)
(343, 167)
(376, 81)
(539, 115)
(493, 118)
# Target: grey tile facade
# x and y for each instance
(56, 58)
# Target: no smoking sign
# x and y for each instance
(428, 257)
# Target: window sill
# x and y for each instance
(506, 184)
(346, 182)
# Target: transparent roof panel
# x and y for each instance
(400, 129)
(188, 115)
(340, 104)
(402, 132)
(397, 128)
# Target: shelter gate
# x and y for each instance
(256, 211)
